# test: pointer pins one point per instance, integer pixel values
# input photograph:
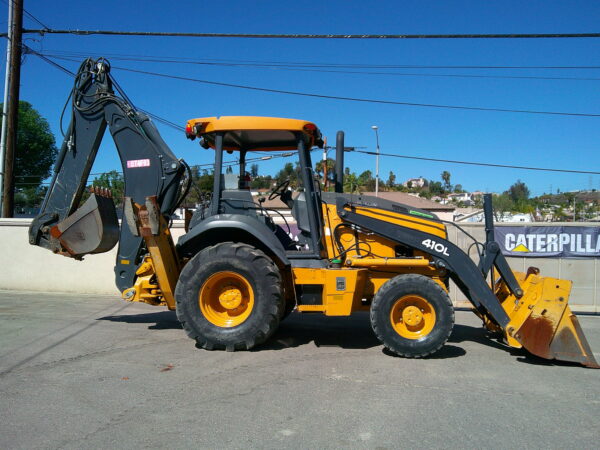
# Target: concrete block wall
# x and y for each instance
(30, 268)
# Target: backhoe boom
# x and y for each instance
(149, 168)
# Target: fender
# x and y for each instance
(258, 234)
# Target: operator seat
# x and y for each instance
(238, 202)
(300, 214)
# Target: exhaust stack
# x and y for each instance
(339, 162)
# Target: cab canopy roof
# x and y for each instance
(254, 133)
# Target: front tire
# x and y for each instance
(229, 296)
(412, 315)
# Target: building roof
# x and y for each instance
(411, 200)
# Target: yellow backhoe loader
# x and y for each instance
(236, 274)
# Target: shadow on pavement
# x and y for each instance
(353, 332)
(163, 320)
(447, 351)
(481, 336)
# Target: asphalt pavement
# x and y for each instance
(95, 372)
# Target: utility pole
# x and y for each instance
(375, 128)
(16, 33)
(5, 105)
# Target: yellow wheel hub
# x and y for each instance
(412, 317)
(226, 299)
(230, 298)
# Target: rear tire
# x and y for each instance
(412, 316)
(229, 296)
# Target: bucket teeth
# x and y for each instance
(101, 191)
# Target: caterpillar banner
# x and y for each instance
(551, 241)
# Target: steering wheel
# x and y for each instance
(279, 189)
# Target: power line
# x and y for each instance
(296, 68)
(162, 120)
(372, 153)
(314, 64)
(27, 49)
(506, 166)
(318, 36)
(355, 99)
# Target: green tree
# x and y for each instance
(446, 179)
(435, 187)
(502, 204)
(204, 180)
(559, 215)
(391, 182)
(366, 181)
(36, 147)
(28, 199)
(519, 192)
(291, 172)
(350, 182)
(262, 182)
(254, 170)
(319, 169)
(34, 157)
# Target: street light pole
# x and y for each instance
(375, 128)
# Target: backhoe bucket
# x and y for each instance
(542, 322)
(93, 228)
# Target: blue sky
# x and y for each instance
(505, 138)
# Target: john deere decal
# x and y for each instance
(536, 241)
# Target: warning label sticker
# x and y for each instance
(135, 163)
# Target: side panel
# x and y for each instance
(341, 289)
(378, 245)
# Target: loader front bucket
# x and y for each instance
(542, 322)
(93, 228)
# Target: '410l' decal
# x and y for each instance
(436, 246)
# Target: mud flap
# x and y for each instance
(93, 228)
(542, 322)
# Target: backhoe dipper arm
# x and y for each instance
(149, 167)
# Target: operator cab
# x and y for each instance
(264, 137)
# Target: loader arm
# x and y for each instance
(531, 311)
(461, 268)
(149, 167)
